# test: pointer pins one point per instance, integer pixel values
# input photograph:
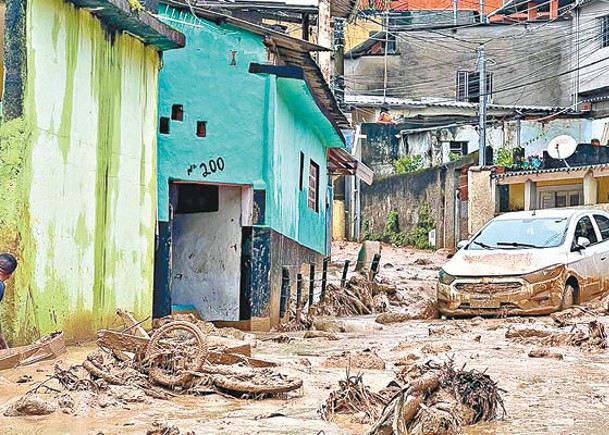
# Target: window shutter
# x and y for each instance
(462, 77)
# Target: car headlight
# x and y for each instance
(445, 278)
(544, 274)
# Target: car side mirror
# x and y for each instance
(583, 242)
(462, 244)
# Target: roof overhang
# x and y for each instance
(274, 37)
(340, 162)
(298, 73)
(141, 24)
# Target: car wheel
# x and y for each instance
(568, 297)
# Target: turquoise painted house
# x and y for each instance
(249, 136)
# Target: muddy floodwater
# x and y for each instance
(541, 395)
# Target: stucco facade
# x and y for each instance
(78, 171)
(264, 135)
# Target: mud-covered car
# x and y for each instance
(533, 262)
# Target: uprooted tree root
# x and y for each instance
(353, 397)
(439, 401)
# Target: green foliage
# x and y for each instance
(453, 157)
(504, 157)
(417, 237)
(410, 163)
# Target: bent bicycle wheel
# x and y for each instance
(175, 351)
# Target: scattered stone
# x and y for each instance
(447, 329)
(422, 310)
(528, 331)
(435, 348)
(366, 360)
(128, 394)
(321, 334)
(31, 404)
(422, 261)
(23, 379)
(477, 321)
(540, 352)
(407, 359)
(66, 403)
(163, 428)
(388, 266)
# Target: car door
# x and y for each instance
(585, 263)
(602, 222)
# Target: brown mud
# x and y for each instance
(543, 394)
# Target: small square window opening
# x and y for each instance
(201, 128)
(164, 125)
(177, 112)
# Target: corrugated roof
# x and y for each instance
(552, 170)
(378, 101)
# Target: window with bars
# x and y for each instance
(468, 86)
(604, 28)
(313, 194)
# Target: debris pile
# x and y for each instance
(357, 297)
(354, 398)
(436, 398)
(590, 335)
(366, 360)
(180, 357)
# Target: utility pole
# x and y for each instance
(339, 61)
(386, 50)
(455, 9)
(482, 105)
(482, 15)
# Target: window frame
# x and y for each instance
(595, 216)
(596, 233)
(313, 187)
(604, 31)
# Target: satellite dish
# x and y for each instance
(562, 147)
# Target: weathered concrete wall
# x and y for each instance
(426, 64)
(79, 175)
(405, 194)
(481, 201)
(593, 58)
(207, 258)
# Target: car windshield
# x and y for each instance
(526, 233)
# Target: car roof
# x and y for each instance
(548, 213)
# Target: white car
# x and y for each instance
(533, 262)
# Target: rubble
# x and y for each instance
(31, 404)
(541, 352)
(321, 334)
(178, 358)
(48, 347)
(439, 400)
(367, 360)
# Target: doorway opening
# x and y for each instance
(206, 250)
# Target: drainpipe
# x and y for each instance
(457, 216)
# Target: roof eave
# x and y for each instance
(141, 24)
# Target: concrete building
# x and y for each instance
(78, 163)
(439, 66)
(249, 135)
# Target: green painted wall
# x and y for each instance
(258, 124)
(212, 88)
(78, 176)
(297, 129)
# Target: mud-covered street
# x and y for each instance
(565, 391)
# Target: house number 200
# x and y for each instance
(208, 168)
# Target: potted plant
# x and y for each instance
(504, 158)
